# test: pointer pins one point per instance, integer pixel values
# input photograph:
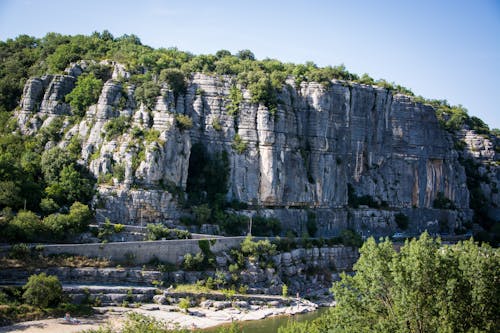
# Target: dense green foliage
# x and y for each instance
(453, 117)
(425, 287)
(158, 231)
(116, 126)
(46, 181)
(87, 91)
(146, 93)
(43, 181)
(41, 297)
(183, 122)
(42, 290)
(27, 226)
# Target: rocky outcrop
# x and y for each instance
(321, 143)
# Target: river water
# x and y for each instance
(271, 325)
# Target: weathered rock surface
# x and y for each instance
(319, 142)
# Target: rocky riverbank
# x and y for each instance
(208, 314)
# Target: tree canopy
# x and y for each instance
(425, 287)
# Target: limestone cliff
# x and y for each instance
(322, 146)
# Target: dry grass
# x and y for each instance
(54, 261)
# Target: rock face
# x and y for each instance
(322, 146)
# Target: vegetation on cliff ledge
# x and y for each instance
(43, 181)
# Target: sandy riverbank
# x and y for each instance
(196, 317)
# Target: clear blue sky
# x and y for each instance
(446, 49)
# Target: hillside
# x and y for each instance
(163, 136)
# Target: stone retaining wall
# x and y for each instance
(142, 252)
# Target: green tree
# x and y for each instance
(26, 225)
(245, 55)
(72, 186)
(53, 161)
(175, 79)
(424, 288)
(43, 290)
(147, 93)
(76, 221)
(87, 91)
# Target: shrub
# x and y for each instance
(76, 221)
(284, 290)
(442, 202)
(48, 206)
(261, 248)
(202, 213)
(401, 220)
(235, 97)
(119, 171)
(193, 263)
(238, 144)
(216, 124)
(185, 303)
(86, 93)
(183, 122)
(351, 238)
(26, 225)
(116, 126)
(43, 290)
(152, 135)
(118, 228)
(19, 251)
(158, 231)
(265, 226)
(175, 79)
(147, 93)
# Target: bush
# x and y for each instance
(442, 202)
(43, 290)
(284, 290)
(238, 144)
(116, 126)
(119, 172)
(87, 91)
(202, 213)
(183, 122)
(261, 248)
(19, 251)
(48, 206)
(76, 221)
(175, 79)
(401, 220)
(158, 231)
(118, 228)
(193, 263)
(265, 226)
(185, 303)
(147, 93)
(232, 224)
(26, 225)
(235, 97)
(216, 124)
(351, 238)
